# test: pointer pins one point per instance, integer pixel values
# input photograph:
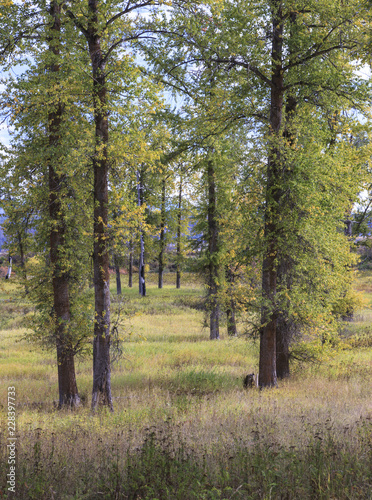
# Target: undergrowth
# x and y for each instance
(163, 466)
(184, 427)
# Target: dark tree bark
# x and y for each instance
(179, 222)
(141, 268)
(348, 227)
(231, 309)
(162, 235)
(213, 247)
(231, 320)
(282, 348)
(118, 277)
(68, 393)
(130, 266)
(285, 328)
(267, 363)
(102, 339)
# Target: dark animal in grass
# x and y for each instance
(250, 381)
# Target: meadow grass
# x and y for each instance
(184, 427)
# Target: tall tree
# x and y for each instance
(231, 307)
(283, 52)
(102, 335)
(179, 229)
(162, 233)
(141, 266)
(213, 251)
(68, 393)
(286, 54)
(106, 28)
(40, 166)
(130, 262)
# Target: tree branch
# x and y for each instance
(233, 62)
(78, 24)
(316, 54)
(128, 9)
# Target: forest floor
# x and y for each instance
(183, 426)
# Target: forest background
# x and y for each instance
(227, 142)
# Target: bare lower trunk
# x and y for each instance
(179, 222)
(162, 236)
(178, 278)
(68, 392)
(141, 268)
(285, 327)
(141, 271)
(118, 279)
(68, 395)
(282, 349)
(213, 243)
(214, 319)
(231, 320)
(231, 309)
(130, 264)
(267, 362)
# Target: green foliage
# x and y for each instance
(27, 198)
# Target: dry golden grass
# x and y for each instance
(176, 390)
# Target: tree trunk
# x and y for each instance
(68, 393)
(213, 244)
(141, 268)
(285, 328)
(231, 320)
(267, 363)
(101, 345)
(130, 266)
(118, 277)
(348, 230)
(231, 309)
(179, 222)
(282, 348)
(162, 236)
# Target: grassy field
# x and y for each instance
(184, 427)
